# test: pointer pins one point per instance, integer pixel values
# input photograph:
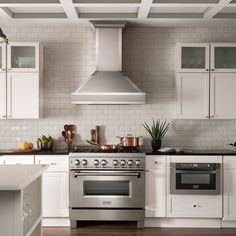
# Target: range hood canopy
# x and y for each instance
(108, 84)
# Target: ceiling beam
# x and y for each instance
(6, 13)
(144, 9)
(212, 12)
(69, 9)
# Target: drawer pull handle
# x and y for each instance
(53, 164)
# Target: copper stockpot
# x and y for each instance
(129, 141)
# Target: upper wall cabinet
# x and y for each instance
(193, 57)
(20, 80)
(223, 57)
(209, 91)
(23, 57)
(3, 57)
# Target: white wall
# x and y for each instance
(148, 59)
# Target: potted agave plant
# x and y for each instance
(157, 131)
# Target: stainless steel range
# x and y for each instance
(107, 186)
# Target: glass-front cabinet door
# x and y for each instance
(3, 57)
(193, 57)
(23, 57)
(223, 57)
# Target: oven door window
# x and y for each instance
(195, 181)
(107, 188)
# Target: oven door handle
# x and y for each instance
(106, 173)
(195, 172)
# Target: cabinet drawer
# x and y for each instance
(154, 162)
(55, 162)
(18, 159)
(195, 206)
(229, 162)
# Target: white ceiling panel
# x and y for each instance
(36, 9)
(177, 9)
(107, 9)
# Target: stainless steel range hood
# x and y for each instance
(108, 84)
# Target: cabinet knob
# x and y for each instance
(207, 69)
(212, 69)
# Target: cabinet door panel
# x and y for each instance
(56, 194)
(3, 57)
(223, 57)
(23, 95)
(155, 193)
(193, 95)
(19, 159)
(3, 94)
(223, 95)
(23, 57)
(229, 188)
(193, 57)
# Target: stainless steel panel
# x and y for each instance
(173, 190)
(106, 214)
(135, 199)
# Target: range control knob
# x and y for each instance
(137, 163)
(84, 162)
(77, 162)
(115, 163)
(122, 162)
(130, 162)
(103, 162)
(96, 162)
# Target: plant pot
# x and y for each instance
(156, 145)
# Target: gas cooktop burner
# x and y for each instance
(82, 149)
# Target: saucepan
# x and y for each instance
(129, 141)
(105, 147)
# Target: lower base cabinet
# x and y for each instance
(229, 197)
(155, 186)
(55, 194)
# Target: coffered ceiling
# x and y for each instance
(143, 11)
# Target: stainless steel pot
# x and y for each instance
(129, 141)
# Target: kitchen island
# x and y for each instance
(20, 200)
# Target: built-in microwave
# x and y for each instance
(195, 178)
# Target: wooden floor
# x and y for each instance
(124, 230)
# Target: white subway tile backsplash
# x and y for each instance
(148, 59)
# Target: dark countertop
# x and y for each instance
(209, 152)
(33, 152)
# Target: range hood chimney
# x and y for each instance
(108, 84)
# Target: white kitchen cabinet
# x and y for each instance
(18, 159)
(20, 81)
(194, 206)
(1, 160)
(3, 57)
(223, 57)
(208, 95)
(23, 57)
(55, 185)
(3, 96)
(192, 95)
(23, 95)
(223, 96)
(229, 196)
(155, 186)
(192, 57)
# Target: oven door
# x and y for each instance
(107, 189)
(202, 182)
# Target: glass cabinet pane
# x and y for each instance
(193, 58)
(0, 57)
(22, 57)
(225, 57)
